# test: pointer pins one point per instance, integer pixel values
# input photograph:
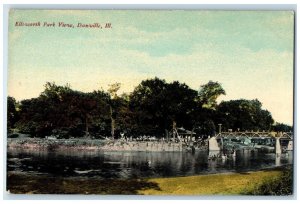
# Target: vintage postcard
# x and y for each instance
(150, 102)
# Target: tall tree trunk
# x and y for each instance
(112, 128)
(112, 123)
(86, 126)
(167, 135)
(174, 130)
(166, 129)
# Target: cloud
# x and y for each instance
(250, 56)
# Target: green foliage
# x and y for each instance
(244, 115)
(157, 104)
(279, 186)
(280, 127)
(113, 89)
(153, 108)
(62, 111)
(206, 128)
(12, 113)
(209, 93)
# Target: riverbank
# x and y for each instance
(36, 144)
(86, 144)
(214, 184)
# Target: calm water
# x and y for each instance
(136, 164)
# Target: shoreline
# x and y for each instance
(230, 183)
(36, 144)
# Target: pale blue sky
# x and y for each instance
(249, 52)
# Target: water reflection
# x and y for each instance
(138, 164)
(277, 160)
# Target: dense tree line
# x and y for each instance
(155, 107)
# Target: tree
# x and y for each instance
(204, 113)
(205, 128)
(62, 111)
(181, 104)
(209, 93)
(153, 108)
(124, 118)
(12, 113)
(113, 89)
(34, 117)
(91, 108)
(243, 115)
(281, 127)
(146, 101)
(160, 105)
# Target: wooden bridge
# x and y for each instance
(252, 134)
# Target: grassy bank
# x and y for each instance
(217, 184)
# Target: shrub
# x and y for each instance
(279, 186)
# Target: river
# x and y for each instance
(103, 165)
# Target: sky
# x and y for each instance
(249, 52)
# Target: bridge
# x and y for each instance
(267, 141)
(252, 134)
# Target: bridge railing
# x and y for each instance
(288, 135)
